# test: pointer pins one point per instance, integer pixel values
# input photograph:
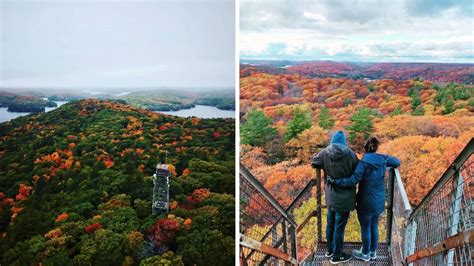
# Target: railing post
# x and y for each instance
(391, 186)
(274, 242)
(454, 210)
(410, 239)
(284, 238)
(318, 205)
(294, 246)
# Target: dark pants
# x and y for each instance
(369, 225)
(336, 224)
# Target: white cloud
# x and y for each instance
(373, 30)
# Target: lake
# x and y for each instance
(203, 111)
(7, 116)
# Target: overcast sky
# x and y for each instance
(73, 43)
(364, 30)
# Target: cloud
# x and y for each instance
(371, 30)
(117, 43)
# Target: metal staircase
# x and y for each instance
(439, 231)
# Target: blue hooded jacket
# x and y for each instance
(370, 174)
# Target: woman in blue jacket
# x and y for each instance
(370, 175)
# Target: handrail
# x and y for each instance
(451, 242)
(459, 161)
(252, 180)
(308, 186)
(264, 248)
(403, 193)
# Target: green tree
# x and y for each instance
(397, 111)
(415, 99)
(301, 120)
(167, 259)
(257, 130)
(420, 110)
(103, 247)
(448, 107)
(361, 125)
(325, 120)
(206, 247)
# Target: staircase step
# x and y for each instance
(318, 258)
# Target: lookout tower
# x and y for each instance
(161, 190)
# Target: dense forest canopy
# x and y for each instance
(76, 187)
(425, 124)
(434, 72)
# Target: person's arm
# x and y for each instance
(355, 160)
(353, 180)
(317, 161)
(393, 161)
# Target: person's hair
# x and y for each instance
(371, 145)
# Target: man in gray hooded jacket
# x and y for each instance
(338, 161)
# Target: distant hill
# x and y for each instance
(172, 100)
(153, 99)
(435, 72)
(76, 187)
(22, 103)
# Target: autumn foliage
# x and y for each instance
(62, 217)
(198, 196)
(164, 232)
(93, 227)
(76, 186)
(421, 121)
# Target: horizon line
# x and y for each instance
(355, 61)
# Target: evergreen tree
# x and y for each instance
(417, 108)
(397, 111)
(257, 130)
(361, 126)
(420, 110)
(448, 107)
(325, 120)
(301, 120)
(415, 99)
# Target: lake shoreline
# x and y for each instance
(200, 111)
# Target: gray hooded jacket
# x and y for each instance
(338, 161)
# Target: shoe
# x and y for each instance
(361, 256)
(328, 254)
(341, 259)
(373, 255)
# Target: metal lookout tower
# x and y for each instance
(161, 190)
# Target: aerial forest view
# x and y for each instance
(77, 186)
(98, 163)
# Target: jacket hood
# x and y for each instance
(374, 160)
(339, 138)
(337, 151)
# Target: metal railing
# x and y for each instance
(400, 213)
(267, 232)
(263, 221)
(440, 230)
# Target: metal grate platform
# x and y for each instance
(318, 258)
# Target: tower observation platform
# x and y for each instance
(438, 231)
